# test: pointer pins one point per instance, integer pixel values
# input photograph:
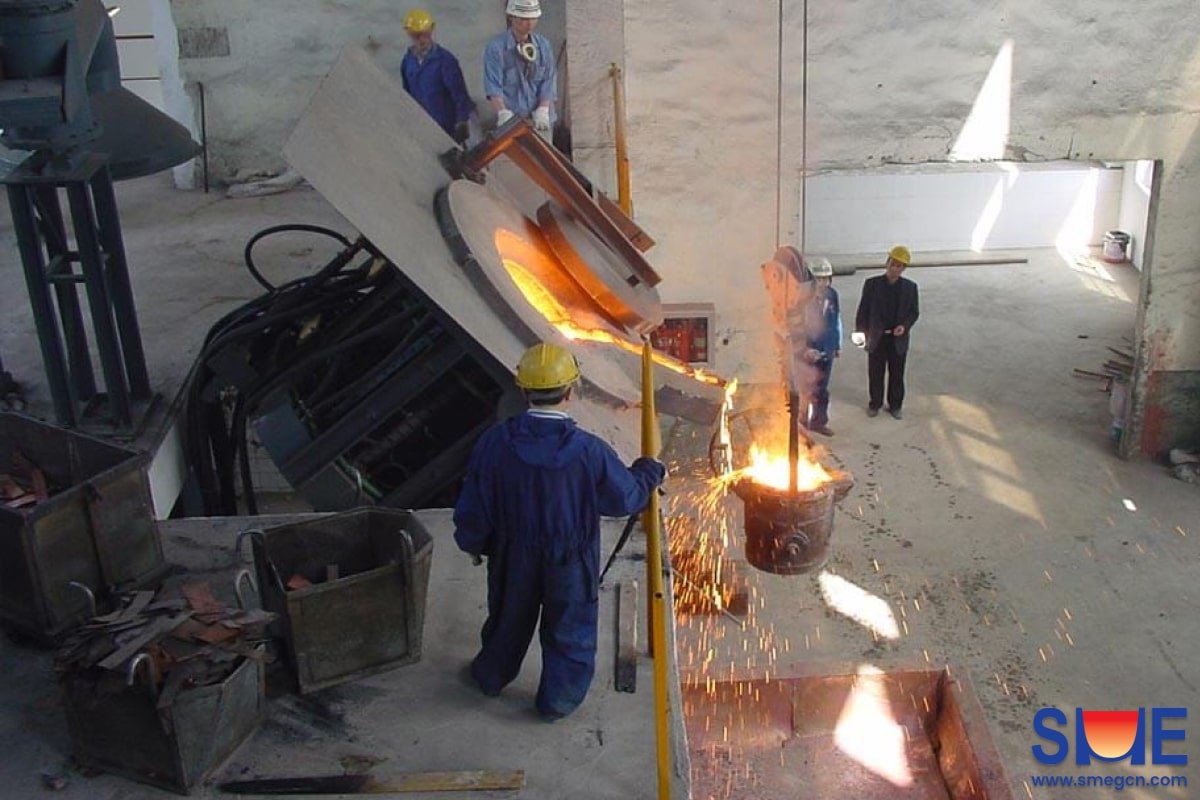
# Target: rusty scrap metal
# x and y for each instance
(565, 184)
(25, 485)
(185, 639)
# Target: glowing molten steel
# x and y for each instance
(549, 306)
(771, 469)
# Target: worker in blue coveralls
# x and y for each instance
(822, 342)
(432, 76)
(519, 74)
(535, 489)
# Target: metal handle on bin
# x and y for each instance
(243, 576)
(151, 671)
(407, 557)
(252, 532)
(91, 596)
(260, 539)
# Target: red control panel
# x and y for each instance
(685, 338)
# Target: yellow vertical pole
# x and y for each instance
(652, 524)
(624, 192)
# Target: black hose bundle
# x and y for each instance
(268, 345)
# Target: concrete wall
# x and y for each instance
(139, 54)
(974, 208)
(1135, 206)
(260, 62)
(900, 83)
(596, 36)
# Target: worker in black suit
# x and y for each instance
(886, 313)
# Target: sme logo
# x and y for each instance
(1112, 736)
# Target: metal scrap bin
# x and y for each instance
(370, 616)
(98, 530)
(124, 731)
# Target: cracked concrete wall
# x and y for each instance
(892, 83)
(261, 62)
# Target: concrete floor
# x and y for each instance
(991, 522)
(992, 529)
(185, 256)
(419, 717)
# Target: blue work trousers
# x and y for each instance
(818, 398)
(566, 598)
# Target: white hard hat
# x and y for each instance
(524, 9)
(819, 267)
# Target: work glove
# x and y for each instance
(859, 338)
(653, 466)
(462, 132)
(541, 120)
(503, 116)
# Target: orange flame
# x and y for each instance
(771, 469)
(557, 315)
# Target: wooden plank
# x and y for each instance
(460, 781)
(625, 677)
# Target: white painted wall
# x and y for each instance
(279, 50)
(900, 83)
(139, 54)
(979, 207)
(1135, 205)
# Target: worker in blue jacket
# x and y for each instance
(535, 489)
(432, 76)
(823, 342)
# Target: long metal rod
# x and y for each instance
(203, 134)
(652, 523)
(779, 134)
(793, 441)
(624, 190)
(804, 136)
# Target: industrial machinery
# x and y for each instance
(361, 390)
(369, 381)
(61, 99)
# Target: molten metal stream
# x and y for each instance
(513, 251)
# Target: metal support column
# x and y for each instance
(44, 318)
(49, 258)
(54, 232)
(121, 291)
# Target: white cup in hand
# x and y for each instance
(859, 338)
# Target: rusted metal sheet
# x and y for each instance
(559, 179)
(95, 528)
(625, 668)
(367, 620)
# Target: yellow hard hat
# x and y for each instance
(547, 366)
(901, 254)
(418, 21)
